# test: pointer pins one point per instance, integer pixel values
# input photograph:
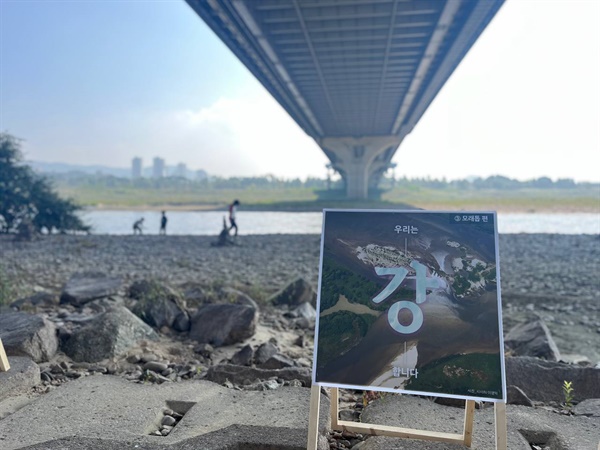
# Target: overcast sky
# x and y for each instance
(99, 82)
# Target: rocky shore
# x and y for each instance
(551, 276)
(177, 308)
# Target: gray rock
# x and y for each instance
(87, 286)
(39, 299)
(264, 352)
(453, 402)
(267, 385)
(182, 322)
(242, 375)
(22, 375)
(244, 356)
(28, 335)
(230, 295)
(543, 380)
(155, 366)
(142, 289)
(195, 294)
(277, 362)
(159, 305)
(110, 334)
(147, 357)
(532, 339)
(305, 311)
(223, 324)
(204, 349)
(295, 293)
(581, 360)
(304, 324)
(589, 407)
(515, 396)
(168, 421)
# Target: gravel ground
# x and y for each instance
(555, 277)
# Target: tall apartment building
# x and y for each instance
(136, 167)
(181, 170)
(158, 168)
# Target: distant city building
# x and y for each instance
(136, 167)
(201, 175)
(180, 170)
(158, 168)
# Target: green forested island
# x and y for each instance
(271, 193)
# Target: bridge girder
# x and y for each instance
(351, 72)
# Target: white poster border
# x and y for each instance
(403, 391)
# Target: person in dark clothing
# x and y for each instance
(137, 226)
(224, 238)
(232, 211)
(163, 224)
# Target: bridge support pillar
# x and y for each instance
(354, 158)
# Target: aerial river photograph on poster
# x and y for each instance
(409, 301)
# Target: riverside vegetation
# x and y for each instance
(28, 203)
(270, 193)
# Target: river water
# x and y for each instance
(266, 222)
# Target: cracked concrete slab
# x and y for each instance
(22, 375)
(406, 411)
(108, 412)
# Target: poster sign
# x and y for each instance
(409, 302)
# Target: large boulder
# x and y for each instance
(295, 293)
(223, 324)
(532, 339)
(543, 380)
(159, 305)
(84, 287)
(28, 335)
(108, 335)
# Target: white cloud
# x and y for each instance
(247, 136)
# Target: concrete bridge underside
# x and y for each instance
(356, 75)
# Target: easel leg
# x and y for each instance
(335, 409)
(4, 365)
(500, 419)
(313, 417)
(468, 428)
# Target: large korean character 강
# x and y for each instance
(399, 274)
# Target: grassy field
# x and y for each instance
(305, 199)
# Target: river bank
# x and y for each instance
(542, 275)
(317, 206)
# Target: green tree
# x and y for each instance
(27, 198)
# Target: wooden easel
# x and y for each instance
(4, 365)
(384, 430)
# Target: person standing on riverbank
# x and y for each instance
(232, 211)
(163, 224)
(137, 226)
